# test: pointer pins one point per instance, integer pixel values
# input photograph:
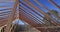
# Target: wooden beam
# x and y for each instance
(12, 16)
(6, 9)
(4, 21)
(2, 1)
(41, 5)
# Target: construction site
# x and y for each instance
(29, 15)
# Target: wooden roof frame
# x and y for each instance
(22, 17)
(12, 16)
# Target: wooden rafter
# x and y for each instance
(22, 16)
(12, 16)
